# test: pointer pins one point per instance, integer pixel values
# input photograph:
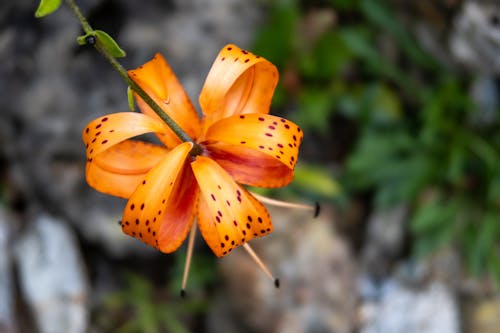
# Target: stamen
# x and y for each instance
(189, 255)
(273, 202)
(259, 262)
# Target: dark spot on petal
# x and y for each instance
(104, 119)
(271, 127)
(226, 237)
(247, 60)
(269, 134)
(98, 126)
(132, 206)
(261, 118)
(142, 206)
(213, 197)
(235, 223)
(136, 221)
(222, 244)
(249, 218)
(217, 218)
(259, 219)
(287, 126)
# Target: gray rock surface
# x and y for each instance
(52, 279)
(7, 301)
(432, 309)
(475, 39)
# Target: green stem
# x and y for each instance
(123, 73)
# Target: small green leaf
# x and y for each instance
(109, 44)
(47, 7)
(130, 97)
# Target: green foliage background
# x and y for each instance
(412, 132)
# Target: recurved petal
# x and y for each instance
(239, 82)
(228, 215)
(120, 169)
(161, 210)
(159, 81)
(256, 149)
(104, 132)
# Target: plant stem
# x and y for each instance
(123, 73)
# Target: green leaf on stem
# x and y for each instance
(109, 44)
(47, 7)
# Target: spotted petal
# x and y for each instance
(161, 210)
(228, 215)
(120, 169)
(238, 83)
(256, 149)
(104, 132)
(159, 81)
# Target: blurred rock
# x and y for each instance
(432, 309)
(475, 39)
(7, 303)
(52, 278)
(484, 93)
(317, 273)
(384, 241)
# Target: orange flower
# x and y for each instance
(166, 186)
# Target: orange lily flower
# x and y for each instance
(166, 186)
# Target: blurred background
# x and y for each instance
(399, 102)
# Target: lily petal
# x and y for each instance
(159, 81)
(120, 169)
(228, 216)
(104, 132)
(239, 82)
(256, 149)
(161, 210)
